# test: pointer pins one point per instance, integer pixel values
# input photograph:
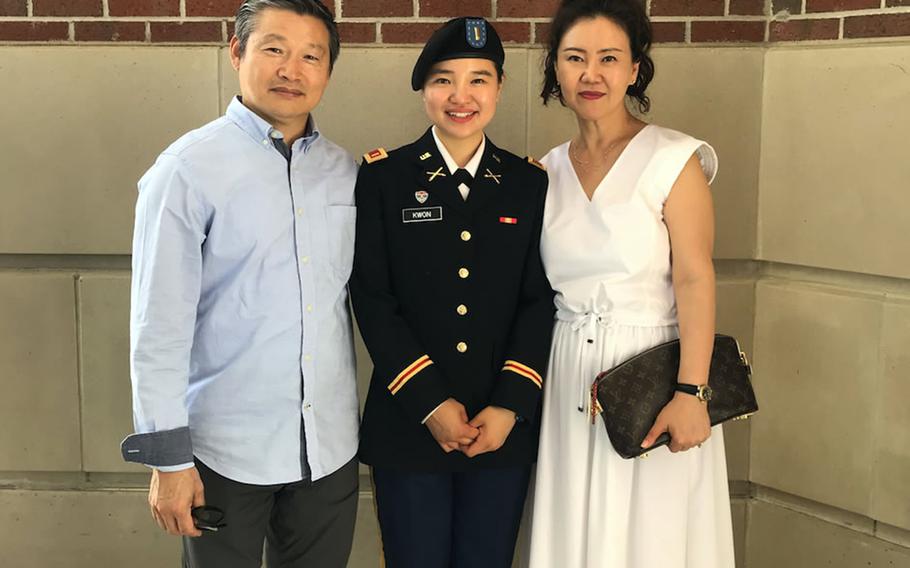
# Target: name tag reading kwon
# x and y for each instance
(421, 214)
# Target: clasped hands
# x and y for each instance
(486, 432)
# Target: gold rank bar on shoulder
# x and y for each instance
(534, 162)
(375, 155)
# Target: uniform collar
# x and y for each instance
(472, 165)
(262, 131)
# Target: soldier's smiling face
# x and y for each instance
(460, 96)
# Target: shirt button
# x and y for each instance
(462, 310)
(265, 142)
(462, 347)
(309, 308)
(300, 211)
(307, 406)
(307, 358)
(305, 259)
(463, 273)
(466, 236)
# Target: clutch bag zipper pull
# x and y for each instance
(595, 406)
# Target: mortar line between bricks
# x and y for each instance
(840, 28)
(29, 8)
(105, 8)
(157, 19)
(415, 8)
(338, 9)
(896, 10)
(726, 7)
(182, 8)
(776, 44)
(842, 15)
(71, 31)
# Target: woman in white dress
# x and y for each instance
(625, 198)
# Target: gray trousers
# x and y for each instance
(303, 524)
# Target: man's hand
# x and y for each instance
(449, 425)
(495, 425)
(686, 419)
(172, 496)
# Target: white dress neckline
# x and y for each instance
(616, 165)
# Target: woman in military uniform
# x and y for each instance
(456, 311)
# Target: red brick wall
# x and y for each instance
(411, 21)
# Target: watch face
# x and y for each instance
(706, 393)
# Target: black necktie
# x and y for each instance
(462, 176)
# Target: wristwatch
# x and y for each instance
(703, 393)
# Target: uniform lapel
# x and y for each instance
(489, 179)
(432, 175)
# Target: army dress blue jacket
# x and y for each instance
(451, 299)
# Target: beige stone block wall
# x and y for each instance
(830, 453)
(780, 537)
(891, 494)
(68, 529)
(81, 124)
(39, 405)
(811, 437)
(834, 159)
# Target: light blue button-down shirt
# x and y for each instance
(239, 326)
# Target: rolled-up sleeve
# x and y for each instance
(170, 229)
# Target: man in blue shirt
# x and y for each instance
(242, 361)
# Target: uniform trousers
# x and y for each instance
(303, 524)
(450, 520)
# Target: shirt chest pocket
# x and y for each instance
(340, 223)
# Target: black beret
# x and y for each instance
(461, 38)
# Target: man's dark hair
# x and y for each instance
(250, 10)
(629, 15)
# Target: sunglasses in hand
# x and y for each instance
(207, 518)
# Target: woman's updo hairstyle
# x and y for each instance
(629, 15)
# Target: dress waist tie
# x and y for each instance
(585, 323)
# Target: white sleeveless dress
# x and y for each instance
(608, 259)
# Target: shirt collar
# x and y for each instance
(473, 164)
(259, 129)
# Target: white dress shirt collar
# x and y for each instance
(473, 164)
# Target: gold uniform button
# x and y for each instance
(462, 310)
(463, 273)
(462, 347)
(466, 236)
